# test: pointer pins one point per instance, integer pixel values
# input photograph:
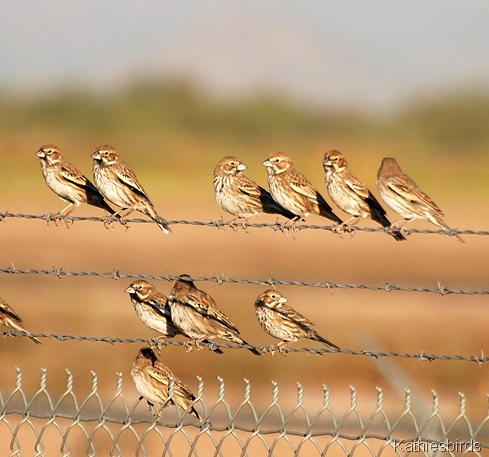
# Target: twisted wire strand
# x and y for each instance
(60, 272)
(421, 356)
(221, 224)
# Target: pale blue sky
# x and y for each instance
(366, 53)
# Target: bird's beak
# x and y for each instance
(267, 163)
(282, 300)
(130, 290)
(96, 155)
(242, 167)
(40, 153)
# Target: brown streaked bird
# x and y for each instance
(294, 191)
(10, 319)
(119, 185)
(152, 308)
(283, 322)
(351, 195)
(404, 197)
(196, 315)
(67, 182)
(153, 381)
(240, 196)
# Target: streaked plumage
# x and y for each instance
(404, 197)
(351, 195)
(196, 315)
(119, 185)
(10, 319)
(293, 190)
(239, 195)
(153, 379)
(283, 322)
(152, 308)
(67, 182)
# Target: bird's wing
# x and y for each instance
(206, 307)
(164, 376)
(6, 309)
(301, 185)
(292, 315)
(75, 176)
(127, 177)
(356, 186)
(248, 187)
(406, 189)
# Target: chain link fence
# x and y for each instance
(110, 421)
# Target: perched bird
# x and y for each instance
(67, 182)
(153, 381)
(196, 315)
(10, 319)
(283, 322)
(293, 191)
(152, 308)
(404, 197)
(239, 195)
(119, 185)
(351, 195)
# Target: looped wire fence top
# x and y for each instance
(110, 420)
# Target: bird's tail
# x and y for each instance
(319, 338)
(248, 346)
(379, 217)
(441, 223)
(162, 224)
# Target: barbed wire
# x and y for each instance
(60, 272)
(221, 224)
(265, 348)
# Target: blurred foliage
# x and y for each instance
(184, 125)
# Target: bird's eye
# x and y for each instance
(273, 296)
(277, 160)
(233, 163)
(49, 151)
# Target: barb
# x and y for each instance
(60, 272)
(420, 356)
(220, 224)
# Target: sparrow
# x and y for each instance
(283, 322)
(293, 190)
(403, 196)
(10, 319)
(67, 182)
(196, 315)
(351, 195)
(152, 308)
(119, 185)
(240, 196)
(153, 382)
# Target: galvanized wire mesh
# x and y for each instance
(111, 421)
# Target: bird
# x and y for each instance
(240, 196)
(119, 185)
(152, 308)
(67, 182)
(351, 195)
(9, 318)
(153, 381)
(283, 322)
(294, 191)
(403, 196)
(196, 315)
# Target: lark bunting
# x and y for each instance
(153, 380)
(119, 185)
(404, 197)
(196, 315)
(283, 322)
